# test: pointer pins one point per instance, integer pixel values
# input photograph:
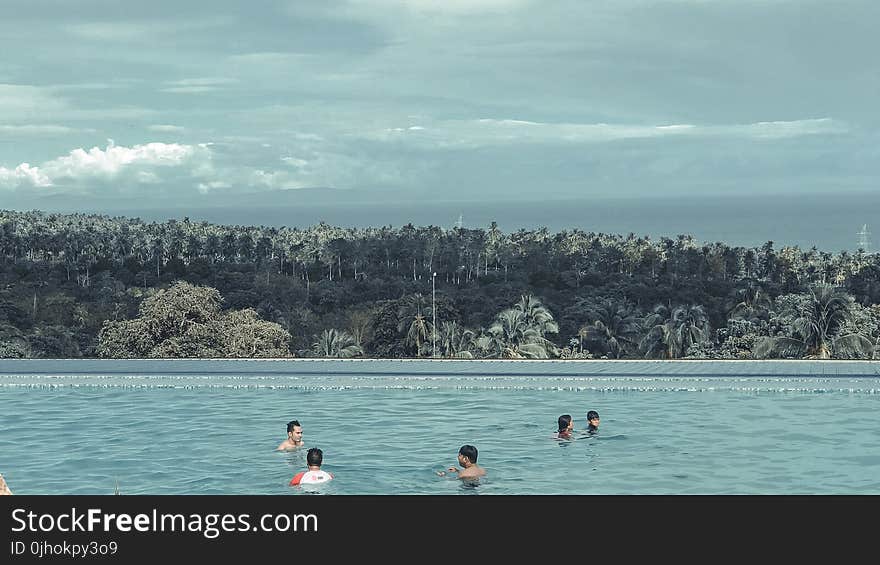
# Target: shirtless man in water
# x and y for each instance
(467, 458)
(294, 437)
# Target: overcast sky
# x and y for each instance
(178, 99)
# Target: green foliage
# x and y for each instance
(815, 328)
(91, 285)
(186, 321)
(335, 343)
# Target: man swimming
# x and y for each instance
(294, 437)
(592, 422)
(565, 427)
(467, 458)
(314, 460)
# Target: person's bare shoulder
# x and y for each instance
(472, 472)
(4, 488)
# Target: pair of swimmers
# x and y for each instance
(314, 457)
(565, 424)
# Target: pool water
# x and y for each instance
(390, 435)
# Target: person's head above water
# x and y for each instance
(294, 431)
(468, 452)
(294, 438)
(564, 423)
(593, 419)
(314, 457)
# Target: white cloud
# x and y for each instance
(276, 180)
(110, 31)
(198, 85)
(37, 129)
(294, 162)
(203, 81)
(490, 131)
(794, 128)
(97, 162)
(189, 89)
(206, 187)
(127, 31)
(23, 174)
(165, 128)
(141, 161)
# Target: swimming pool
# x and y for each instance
(160, 432)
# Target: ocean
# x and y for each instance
(828, 222)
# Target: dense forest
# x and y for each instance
(75, 285)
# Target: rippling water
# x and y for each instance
(217, 434)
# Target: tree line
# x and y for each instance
(80, 285)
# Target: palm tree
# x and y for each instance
(754, 304)
(456, 341)
(335, 343)
(615, 325)
(517, 338)
(659, 341)
(418, 332)
(689, 325)
(815, 331)
(536, 314)
(671, 337)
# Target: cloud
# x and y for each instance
(189, 89)
(23, 174)
(19, 101)
(491, 131)
(138, 164)
(203, 81)
(22, 104)
(141, 31)
(795, 128)
(98, 162)
(37, 129)
(198, 85)
(165, 128)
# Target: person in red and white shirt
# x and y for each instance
(314, 459)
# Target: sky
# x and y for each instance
(496, 100)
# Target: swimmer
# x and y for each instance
(566, 426)
(294, 437)
(314, 459)
(4, 488)
(592, 422)
(467, 458)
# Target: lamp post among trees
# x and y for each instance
(434, 313)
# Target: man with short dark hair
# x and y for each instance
(565, 426)
(467, 458)
(294, 437)
(592, 422)
(314, 459)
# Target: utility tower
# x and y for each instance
(864, 239)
